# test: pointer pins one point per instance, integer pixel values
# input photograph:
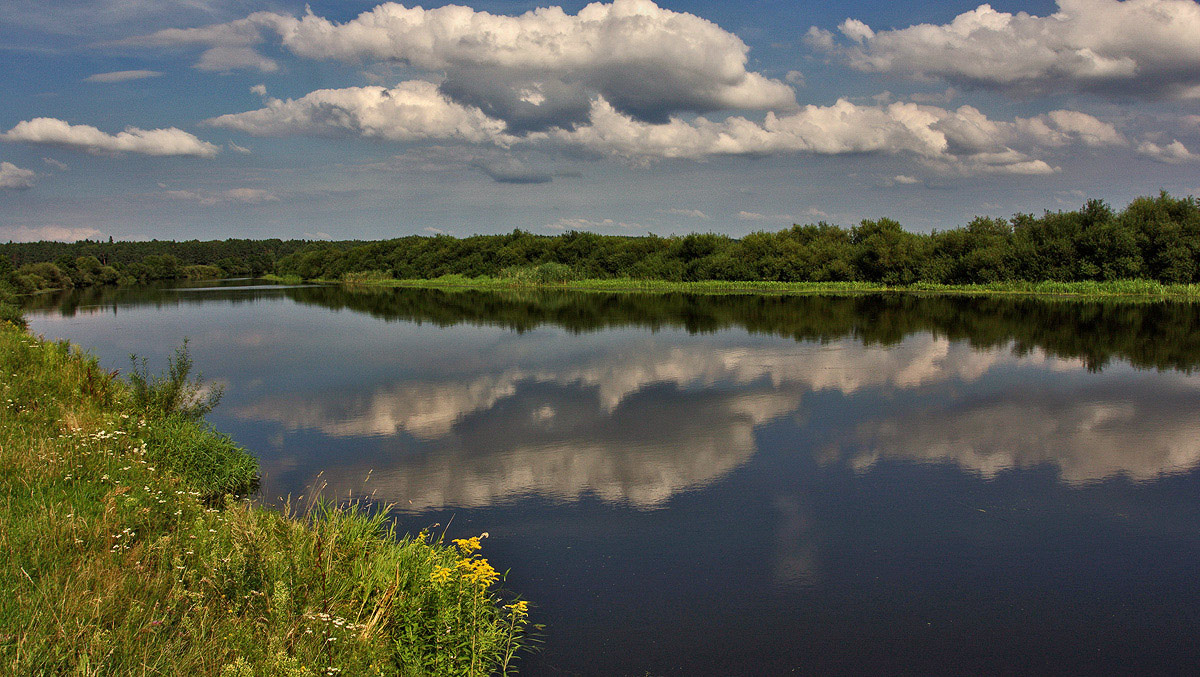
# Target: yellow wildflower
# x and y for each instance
(440, 575)
(467, 545)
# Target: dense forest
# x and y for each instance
(1156, 238)
(33, 266)
(1153, 238)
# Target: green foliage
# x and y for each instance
(89, 263)
(201, 272)
(365, 276)
(172, 393)
(115, 562)
(1153, 238)
(544, 273)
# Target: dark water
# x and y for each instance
(740, 485)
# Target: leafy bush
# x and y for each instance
(172, 393)
(545, 273)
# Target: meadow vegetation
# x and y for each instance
(124, 549)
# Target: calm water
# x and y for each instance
(740, 485)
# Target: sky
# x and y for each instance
(182, 119)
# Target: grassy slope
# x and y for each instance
(1120, 288)
(113, 563)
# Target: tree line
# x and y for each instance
(1156, 238)
(26, 267)
(1153, 238)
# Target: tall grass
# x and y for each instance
(113, 562)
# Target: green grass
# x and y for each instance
(120, 555)
(1117, 288)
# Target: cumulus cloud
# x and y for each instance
(230, 46)
(963, 141)
(535, 70)
(1144, 48)
(691, 213)
(413, 110)
(13, 177)
(160, 142)
(122, 76)
(248, 196)
(1171, 153)
(54, 233)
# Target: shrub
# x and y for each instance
(172, 393)
(544, 273)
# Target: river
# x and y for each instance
(737, 485)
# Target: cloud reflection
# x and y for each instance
(1140, 432)
(636, 423)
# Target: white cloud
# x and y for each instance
(905, 180)
(60, 166)
(55, 233)
(534, 70)
(1143, 48)
(230, 46)
(781, 218)
(1171, 153)
(248, 196)
(122, 76)
(260, 90)
(225, 59)
(237, 149)
(691, 213)
(819, 38)
(413, 110)
(962, 141)
(592, 224)
(170, 141)
(13, 177)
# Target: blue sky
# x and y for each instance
(239, 118)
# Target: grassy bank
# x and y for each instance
(121, 552)
(1119, 288)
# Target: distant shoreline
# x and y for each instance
(1117, 289)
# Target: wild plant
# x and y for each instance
(173, 393)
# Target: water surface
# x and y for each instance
(733, 485)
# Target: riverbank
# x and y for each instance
(122, 552)
(1137, 289)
